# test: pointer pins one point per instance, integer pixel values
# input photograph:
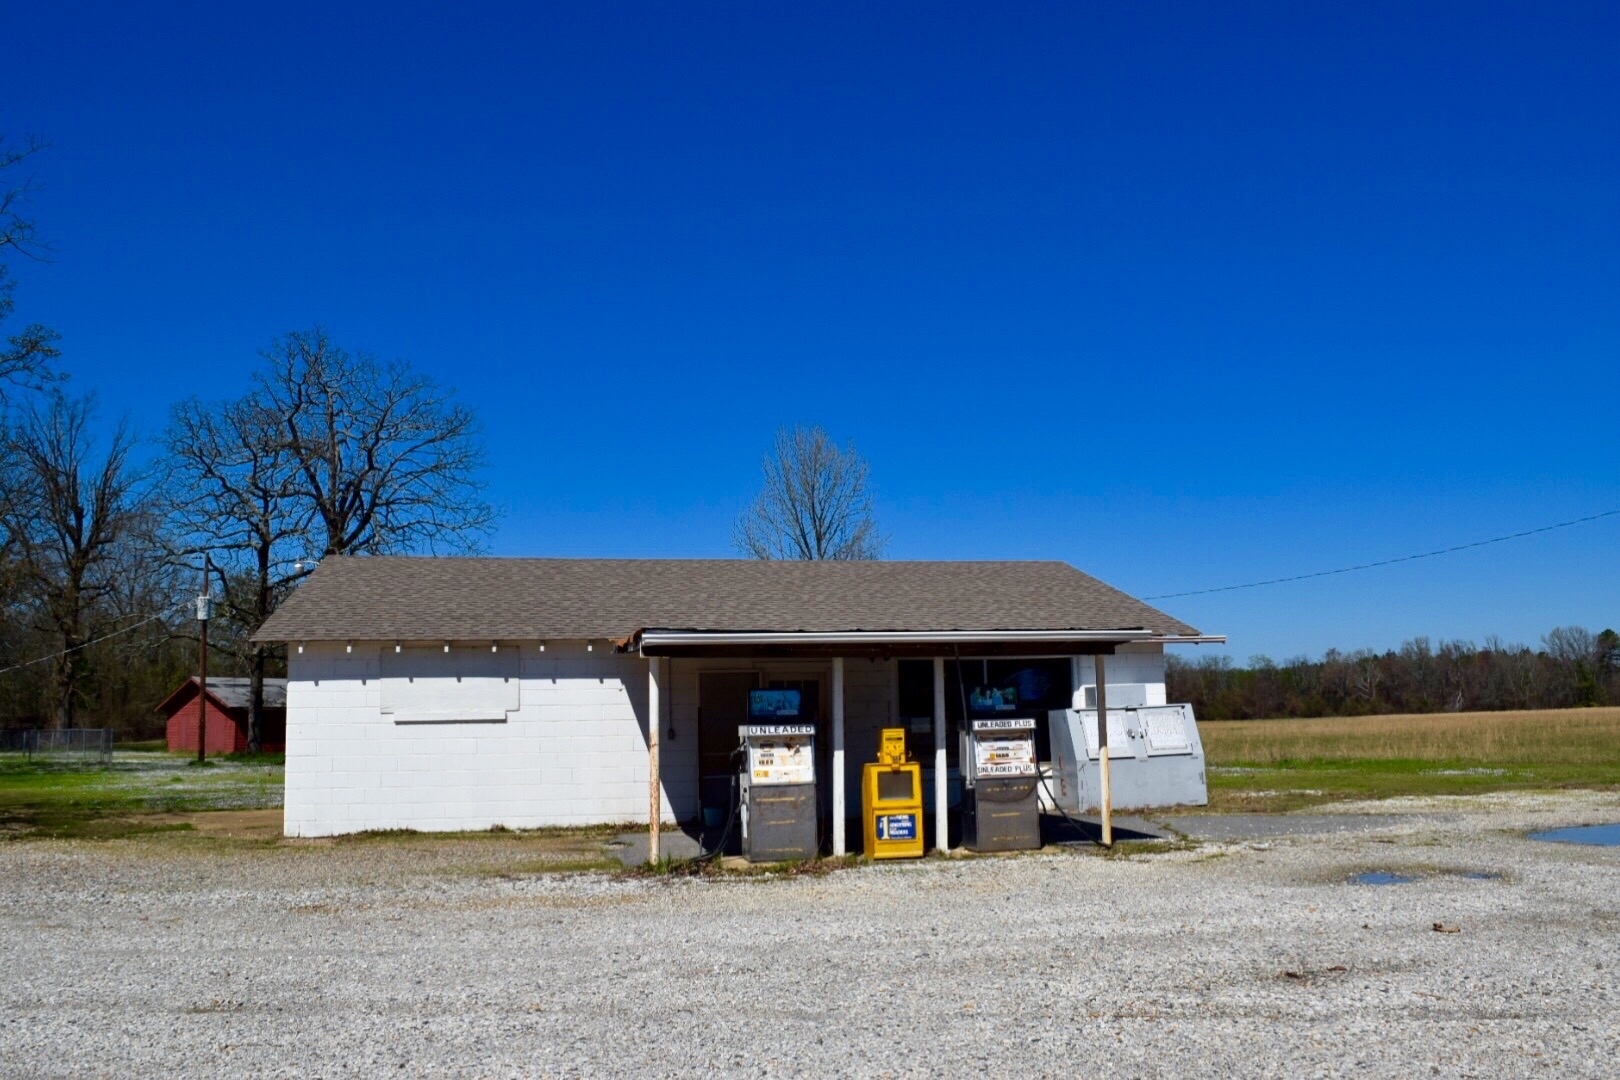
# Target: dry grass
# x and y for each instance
(1292, 764)
(1577, 737)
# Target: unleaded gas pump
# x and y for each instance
(777, 784)
(1001, 809)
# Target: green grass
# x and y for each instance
(277, 759)
(68, 799)
(1280, 765)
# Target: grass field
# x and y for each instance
(1288, 764)
(138, 793)
(233, 804)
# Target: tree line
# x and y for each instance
(325, 451)
(1573, 667)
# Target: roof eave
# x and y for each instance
(654, 642)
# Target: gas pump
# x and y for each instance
(1001, 809)
(777, 785)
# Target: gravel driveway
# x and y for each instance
(435, 957)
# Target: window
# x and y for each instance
(1042, 683)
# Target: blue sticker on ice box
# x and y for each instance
(897, 827)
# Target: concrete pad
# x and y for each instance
(631, 848)
(1087, 829)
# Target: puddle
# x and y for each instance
(1480, 875)
(1380, 877)
(1596, 835)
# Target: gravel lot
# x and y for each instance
(433, 957)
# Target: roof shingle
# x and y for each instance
(457, 599)
(231, 692)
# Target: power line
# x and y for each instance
(1389, 562)
(96, 641)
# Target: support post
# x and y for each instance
(942, 820)
(202, 666)
(655, 723)
(838, 795)
(1102, 752)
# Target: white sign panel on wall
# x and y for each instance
(429, 684)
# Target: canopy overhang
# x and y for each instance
(901, 643)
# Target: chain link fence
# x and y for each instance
(87, 743)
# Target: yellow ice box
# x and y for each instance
(891, 801)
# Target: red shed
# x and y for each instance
(227, 707)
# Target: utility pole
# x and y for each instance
(203, 602)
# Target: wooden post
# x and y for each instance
(202, 667)
(655, 721)
(942, 820)
(1102, 752)
(838, 795)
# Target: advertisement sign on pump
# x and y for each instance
(1003, 747)
(780, 753)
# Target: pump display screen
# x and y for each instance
(773, 704)
(992, 700)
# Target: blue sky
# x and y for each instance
(1184, 294)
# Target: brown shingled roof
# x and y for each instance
(459, 599)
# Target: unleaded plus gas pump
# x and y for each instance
(777, 785)
(1001, 809)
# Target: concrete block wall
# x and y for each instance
(871, 703)
(1131, 664)
(573, 753)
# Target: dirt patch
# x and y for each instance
(227, 824)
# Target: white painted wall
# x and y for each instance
(1131, 664)
(376, 740)
(573, 752)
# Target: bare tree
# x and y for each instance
(1367, 676)
(385, 459)
(331, 453)
(25, 359)
(1571, 644)
(814, 505)
(80, 533)
(233, 493)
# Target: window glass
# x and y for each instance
(1042, 684)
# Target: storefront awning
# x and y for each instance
(902, 642)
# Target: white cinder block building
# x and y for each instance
(467, 693)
